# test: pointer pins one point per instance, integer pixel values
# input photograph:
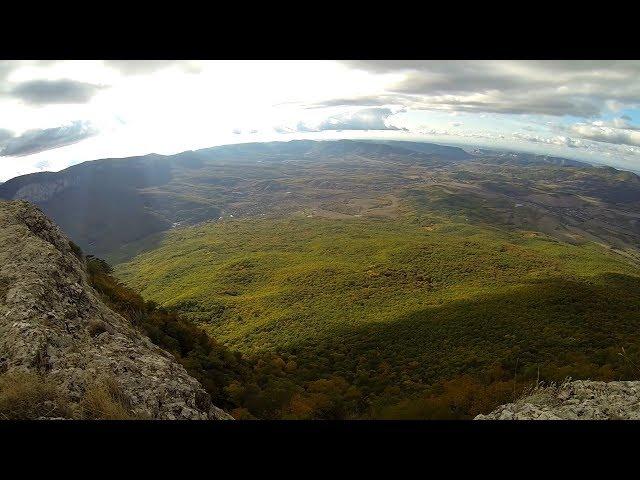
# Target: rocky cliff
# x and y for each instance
(54, 324)
(578, 400)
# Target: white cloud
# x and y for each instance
(606, 134)
(365, 119)
(169, 106)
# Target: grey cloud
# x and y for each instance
(35, 141)
(5, 69)
(579, 88)
(8, 66)
(5, 135)
(41, 92)
(366, 101)
(524, 103)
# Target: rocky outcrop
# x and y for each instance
(577, 400)
(52, 322)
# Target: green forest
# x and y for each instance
(416, 317)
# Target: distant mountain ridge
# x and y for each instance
(105, 204)
(102, 204)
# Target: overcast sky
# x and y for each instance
(54, 114)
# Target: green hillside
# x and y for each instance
(418, 317)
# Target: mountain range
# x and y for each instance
(350, 279)
(106, 204)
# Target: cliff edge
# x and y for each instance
(52, 323)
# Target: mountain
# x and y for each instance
(522, 158)
(104, 204)
(442, 151)
(61, 344)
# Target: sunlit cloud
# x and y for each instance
(585, 110)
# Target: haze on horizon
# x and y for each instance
(54, 114)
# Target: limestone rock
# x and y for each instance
(53, 322)
(577, 400)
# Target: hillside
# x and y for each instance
(418, 317)
(63, 353)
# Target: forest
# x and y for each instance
(420, 317)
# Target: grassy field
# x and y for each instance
(410, 314)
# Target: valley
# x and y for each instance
(370, 279)
(393, 311)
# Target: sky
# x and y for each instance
(54, 114)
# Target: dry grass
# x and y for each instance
(104, 400)
(25, 395)
(541, 392)
(30, 396)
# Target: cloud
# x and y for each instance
(559, 140)
(365, 101)
(606, 134)
(42, 92)
(143, 67)
(239, 131)
(578, 88)
(35, 141)
(5, 135)
(7, 67)
(365, 119)
(42, 165)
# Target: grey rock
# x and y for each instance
(53, 322)
(574, 400)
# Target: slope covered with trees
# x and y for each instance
(421, 317)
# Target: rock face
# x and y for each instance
(578, 400)
(52, 322)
